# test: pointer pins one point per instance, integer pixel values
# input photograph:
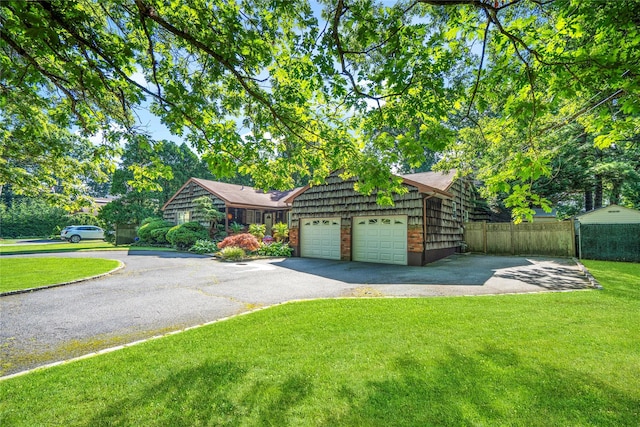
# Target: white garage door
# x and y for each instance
(320, 238)
(381, 239)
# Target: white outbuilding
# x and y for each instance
(612, 214)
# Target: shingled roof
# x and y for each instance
(436, 183)
(438, 180)
(240, 195)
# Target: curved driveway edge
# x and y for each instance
(161, 292)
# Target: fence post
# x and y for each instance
(513, 242)
(579, 240)
(572, 224)
(484, 236)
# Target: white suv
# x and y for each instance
(75, 233)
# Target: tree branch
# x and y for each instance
(477, 83)
(290, 124)
(151, 52)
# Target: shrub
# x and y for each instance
(257, 230)
(147, 231)
(231, 253)
(245, 241)
(276, 249)
(204, 247)
(159, 235)
(149, 219)
(280, 231)
(236, 227)
(185, 235)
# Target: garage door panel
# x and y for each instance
(380, 239)
(387, 245)
(320, 238)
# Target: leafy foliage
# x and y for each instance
(130, 209)
(206, 211)
(236, 227)
(204, 247)
(275, 249)
(154, 230)
(185, 235)
(257, 230)
(245, 241)
(157, 170)
(276, 91)
(231, 253)
(31, 217)
(280, 231)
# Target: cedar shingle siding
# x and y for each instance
(183, 202)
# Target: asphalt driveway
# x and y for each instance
(158, 292)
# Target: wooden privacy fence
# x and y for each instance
(545, 238)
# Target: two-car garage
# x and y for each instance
(380, 239)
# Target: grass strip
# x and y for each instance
(9, 241)
(543, 359)
(26, 273)
(27, 249)
(57, 247)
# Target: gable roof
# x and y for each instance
(434, 183)
(439, 180)
(239, 195)
(611, 214)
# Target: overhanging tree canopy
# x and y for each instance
(278, 88)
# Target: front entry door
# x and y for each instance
(268, 221)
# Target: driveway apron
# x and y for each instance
(158, 292)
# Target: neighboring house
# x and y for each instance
(333, 221)
(612, 214)
(98, 203)
(540, 215)
(240, 203)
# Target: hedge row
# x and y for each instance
(34, 218)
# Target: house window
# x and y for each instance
(253, 217)
(455, 210)
(183, 216)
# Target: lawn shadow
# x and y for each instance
(490, 387)
(221, 393)
(548, 276)
(493, 386)
(462, 270)
(192, 396)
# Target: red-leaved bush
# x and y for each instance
(245, 241)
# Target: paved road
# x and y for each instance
(162, 291)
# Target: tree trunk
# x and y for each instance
(588, 200)
(597, 199)
(615, 193)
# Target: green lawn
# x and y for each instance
(57, 247)
(26, 273)
(8, 241)
(73, 247)
(532, 360)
